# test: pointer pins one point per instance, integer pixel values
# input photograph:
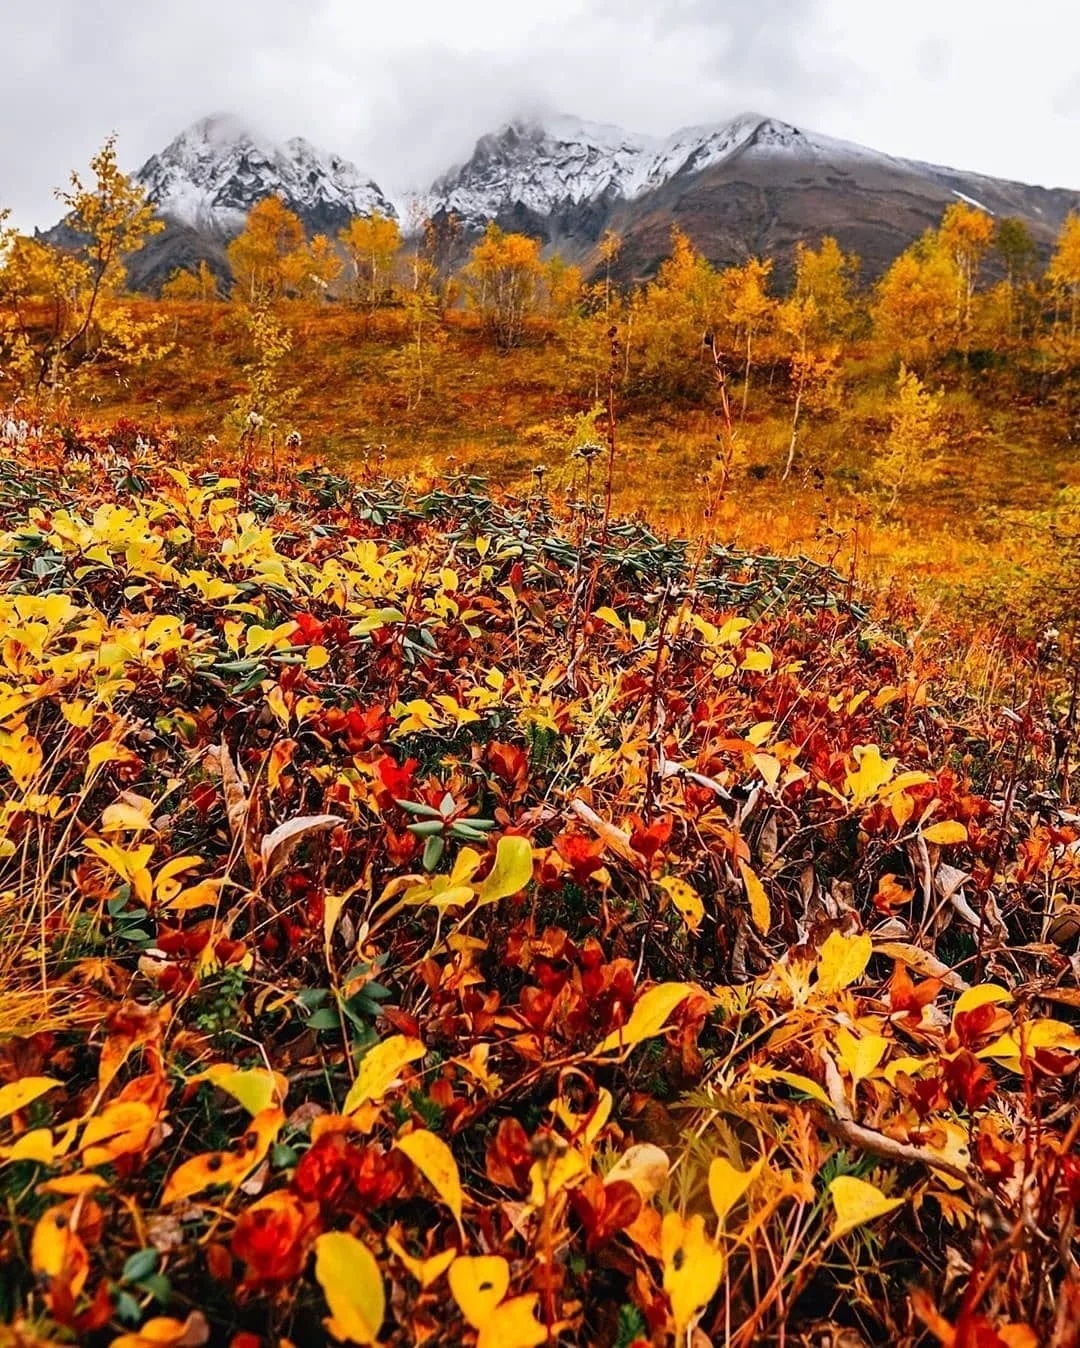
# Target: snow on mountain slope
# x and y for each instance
(558, 161)
(542, 165)
(211, 175)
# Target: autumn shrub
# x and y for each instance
(431, 920)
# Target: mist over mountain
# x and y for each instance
(749, 185)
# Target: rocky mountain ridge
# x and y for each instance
(750, 185)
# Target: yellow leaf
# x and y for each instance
(162, 1331)
(77, 713)
(693, 1266)
(121, 1128)
(57, 1252)
(732, 630)
(130, 865)
(1032, 1037)
(856, 1202)
(513, 1325)
(168, 886)
(443, 896)
(649, 1016)
(435, 1161)
(609, 616)
(425, 1271)
(685, 898)
(478, 1284)
(760, 732)
(902, 808)
(842, 961)
(332, 906)
(760, 911)
(945, 834)
(349, 1276)
(18, 1094)
(727, 1184)
(796, 1081)
(36, 1145)
(380, 1068)
(71, 1186)
(130, 814)
(547, 1177)
(105, 751)
(281, 755)
(948, 1140)
(871, 774)
(254, 1087)
(203, 895)
(770, 768)
(511, 872)
(860, 1055)
(757, 661)
(317, 657)
(981, 994)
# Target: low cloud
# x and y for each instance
(406, 91)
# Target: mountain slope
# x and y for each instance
(750, 185)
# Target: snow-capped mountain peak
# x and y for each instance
(212, 174)
(547, 164)
(542, 164)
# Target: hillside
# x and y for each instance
(488, 925)
(977, 536)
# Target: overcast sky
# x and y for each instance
(404, 89)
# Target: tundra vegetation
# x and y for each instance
(631, 901)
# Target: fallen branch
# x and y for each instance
(844, 1127)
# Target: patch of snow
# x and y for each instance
(972, 202)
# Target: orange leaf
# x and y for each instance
(228, 1168)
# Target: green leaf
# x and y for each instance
(139, 1265)
(433, 850)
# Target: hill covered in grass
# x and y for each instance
(435, 916)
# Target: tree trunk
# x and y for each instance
(794, 431)
(746, 377)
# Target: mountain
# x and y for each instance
(212, 174)
(542, 168)
(204, 183)
(752, 185)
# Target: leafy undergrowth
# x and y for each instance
(430, 923)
